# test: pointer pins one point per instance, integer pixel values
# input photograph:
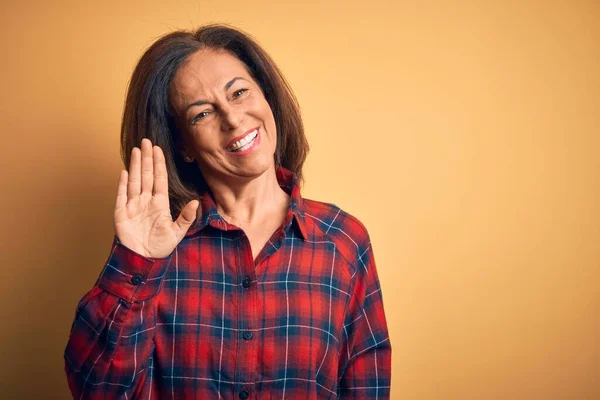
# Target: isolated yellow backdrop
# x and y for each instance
(465, 135)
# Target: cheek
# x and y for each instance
(272, 127)
(269, 119)
(202, 139)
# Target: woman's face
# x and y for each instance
(226, 122)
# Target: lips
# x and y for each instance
(243, 142)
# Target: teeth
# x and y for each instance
(246, 147)
(244, 143)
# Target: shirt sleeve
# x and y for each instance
(366, 353)
(110, 345)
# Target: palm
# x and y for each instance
(143, 220)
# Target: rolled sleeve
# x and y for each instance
(131, 276)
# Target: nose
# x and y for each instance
(231, 117)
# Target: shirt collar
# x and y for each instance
(287, 180)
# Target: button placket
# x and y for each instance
(244, 393)
(248, 348)
(247, 282)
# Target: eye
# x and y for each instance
(200, 116)
(239, 92)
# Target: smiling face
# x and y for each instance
(225, 120)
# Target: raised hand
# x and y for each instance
(143, 220)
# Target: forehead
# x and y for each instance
(205, 71)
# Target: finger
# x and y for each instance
(147, 168)
(161, 181)
(186, 218)
(122, 191)
(134, 184)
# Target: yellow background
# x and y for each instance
(465, 135)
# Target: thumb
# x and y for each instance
(186, 218)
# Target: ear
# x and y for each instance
(180, 146)
(186, 155)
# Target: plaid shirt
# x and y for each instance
(305, 321)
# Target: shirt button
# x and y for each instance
(248, 335)
(247, 282)
(244, 394)
(137, 279)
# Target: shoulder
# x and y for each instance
(338, 226)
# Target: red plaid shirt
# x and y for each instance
(305, 321)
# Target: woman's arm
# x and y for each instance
(111, 338)
(366, 353)
(110, 344)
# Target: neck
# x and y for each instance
(249, 203)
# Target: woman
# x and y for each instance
(253, 291)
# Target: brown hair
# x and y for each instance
(148, 112)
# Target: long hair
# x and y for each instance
(148, 112)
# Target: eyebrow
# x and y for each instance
(202, 102)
